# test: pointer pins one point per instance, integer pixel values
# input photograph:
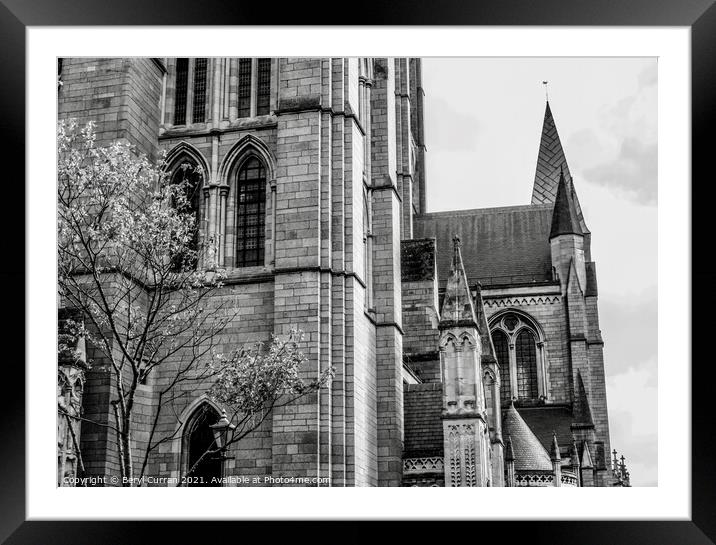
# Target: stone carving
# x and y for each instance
(523, 301)
(462, 456)
(423, 465)
(70, 383)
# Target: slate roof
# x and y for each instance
(551, 160)
(529, 429)
(545, 420)
(530, 454)
(422, 406)
(507, 245)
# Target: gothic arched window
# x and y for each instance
(251, 213)
(190, 90)
(189, 177)
(502, 353)
(202, 468)
(519, 351)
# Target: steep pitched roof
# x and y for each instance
(564, 215)
(550, 161)
(529, 452)
(549, 419)
(507, 245)
(457, 303)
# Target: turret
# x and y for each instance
(465, 429)
(551, 163)
(460, 346)
(566, 238)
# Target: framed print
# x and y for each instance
(454, 255)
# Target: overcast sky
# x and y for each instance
(483, 119)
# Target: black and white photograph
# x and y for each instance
(299, 271)
(357, 272)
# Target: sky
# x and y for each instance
(483, 120)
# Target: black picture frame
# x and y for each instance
(699, 15)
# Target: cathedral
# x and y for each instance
(465, 345)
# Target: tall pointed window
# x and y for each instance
(190, 91)
(251, 213)
(202, 469)
(189, 177)
(520, 352)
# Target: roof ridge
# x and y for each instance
(488, 209)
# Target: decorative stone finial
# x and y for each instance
(554, 454)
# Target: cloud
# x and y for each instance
(634, 171)
(624, 146)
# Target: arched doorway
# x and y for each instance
(199, 438)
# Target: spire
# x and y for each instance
(551, 163)
(554, 449)
(488, 349)
(549, 159)
(457, 304)
(564, 218)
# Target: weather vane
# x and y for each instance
(546, 92)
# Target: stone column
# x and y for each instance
(272, 240)
(221, 236)
(383, 282)
(513, 369)
(233, 89)
(169, 104)
(541, 371)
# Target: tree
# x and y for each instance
(253, 381)
(131, 264)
